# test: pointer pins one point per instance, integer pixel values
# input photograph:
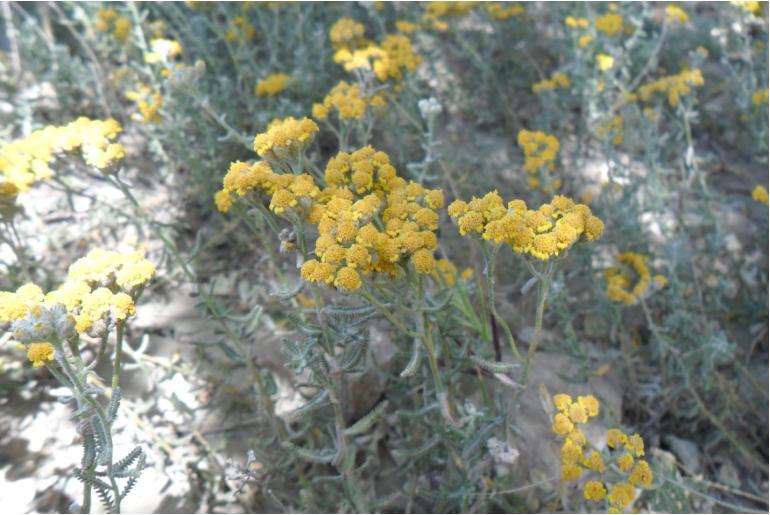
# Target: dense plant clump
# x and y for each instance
(347, 257)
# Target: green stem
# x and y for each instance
(542, 296)
(490, 254)
(121, 327)
(386, 312)
(206, 297)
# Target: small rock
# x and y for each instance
(686, 452)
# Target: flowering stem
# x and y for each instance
(544, 285)
(386, 312)
(121, 326)
(426, 336)
(490, 255)
(206, 297)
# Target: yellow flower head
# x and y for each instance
(39, 353)
(348, 279)
(272, 85)
(675, 14)
(346, 32)
(605, 62)
(348, 102)
(285, 137)
(594, 491)
(620, 287)
(611, 24)
(621, 495)
(759, 193)
(641, 475)
(673, 86)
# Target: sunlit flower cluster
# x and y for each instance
(27, 160)
(604, 61)
(675, 14)
(240, 30)
(162, 50)
(557, 80)
(576, 458)
(749, 6)
(392, 58)
(673, 86)
(272, 85)
(285, 137)
(620, 280)
(147, 101)
(348, 102)
(108, 20)
(100, 289)
(542, 233)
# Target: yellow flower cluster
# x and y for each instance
(370, 220)
(446, 273)
(147, 101)
(399, 58)
(749, 6)
(445, 9)
(240, 30)
(39, 353)
(674, 86)
(575, 458)
(539, 148)
(580, 24)
(541, 233)
(285, 137)
(759, 193)
(391, 59)
(27, 160)
(503, 11)
(620, 279)
(557, 80)
(100, 289)
(759, 97)
(272, 85)
(612, 128)
(576, 23)
(566, 422)
(406, 26)
(348, 101)
(611, 24)
(108, 20)
(347, 33)
(288, 192)
(161, 50)
(604, 62)
(675, 14)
